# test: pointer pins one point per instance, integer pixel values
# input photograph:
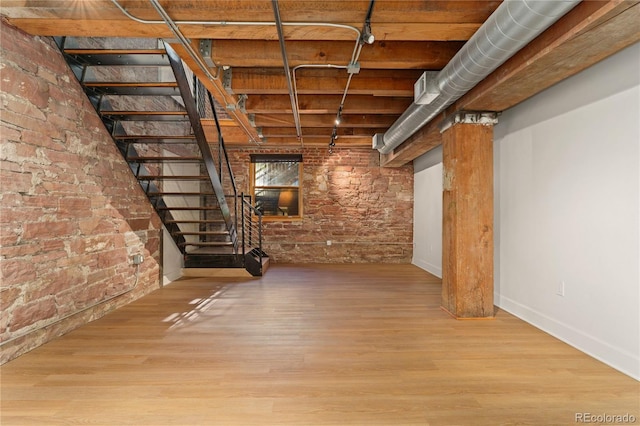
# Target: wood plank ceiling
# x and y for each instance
(410, 37)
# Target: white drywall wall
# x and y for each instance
(567, 211)
(427, 211)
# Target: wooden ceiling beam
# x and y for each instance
(217, 90)
(587, 34)
(381, 55)
(360, 142)
(349, 132)
(327, 104)
(325, 120)
(389, 11)
(598, 29)
(254, 81)
(124, 27)
(231, 132)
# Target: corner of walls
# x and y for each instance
(172, 259)
(576, 336)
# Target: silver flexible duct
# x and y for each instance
(511, 27)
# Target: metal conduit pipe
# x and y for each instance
(176, 31)
(173, 25)
(242, 23)
(295, 85)
(512, 26)
(287, 70)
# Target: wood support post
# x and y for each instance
(467, 255)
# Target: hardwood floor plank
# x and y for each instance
(308, 345)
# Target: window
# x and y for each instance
(276, 184)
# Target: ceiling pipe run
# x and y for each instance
(287, 70)
(511, 27)
(173, 25)
(242, 23)
(366, 37)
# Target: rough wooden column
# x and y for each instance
(467, 246)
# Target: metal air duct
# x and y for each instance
(511, 27)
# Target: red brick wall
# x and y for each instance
(365, 211)
(71, 212)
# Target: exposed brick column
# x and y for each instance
(467, 252)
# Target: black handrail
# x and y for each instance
(198, 131)
(251, 221)
(251, 224)
(223, 152)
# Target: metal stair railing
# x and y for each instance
(251, 229)
(152, 163)
(198, 131)
(245, 217)
(207, 110)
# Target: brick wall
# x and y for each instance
(365, 211)
(71, 212)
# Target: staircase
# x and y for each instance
(152, 105)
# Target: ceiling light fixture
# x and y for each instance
(367, 36)
(339, 116)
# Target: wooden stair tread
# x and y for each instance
(189, 208)
(143, 112)
(164, 159)
(182, 194)
(212, 233)
(143, 137)
(96, 88)
(156, 140)
(118, 57)
(131, 84)
(220, 240)
(208, 244)
(203, 221)
(79, 51)
(146, 115)
(168, 177)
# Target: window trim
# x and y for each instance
(277, 158)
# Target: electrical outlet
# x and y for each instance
(560, 290)
(137, 259)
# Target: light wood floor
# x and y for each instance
(308, 345)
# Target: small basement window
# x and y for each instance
(275, 182)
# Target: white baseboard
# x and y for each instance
(614, 357)
(429, 267)
(170, 277)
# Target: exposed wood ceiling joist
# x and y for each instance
(411, 36)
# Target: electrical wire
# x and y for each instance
(86, 308)
(173, 25)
